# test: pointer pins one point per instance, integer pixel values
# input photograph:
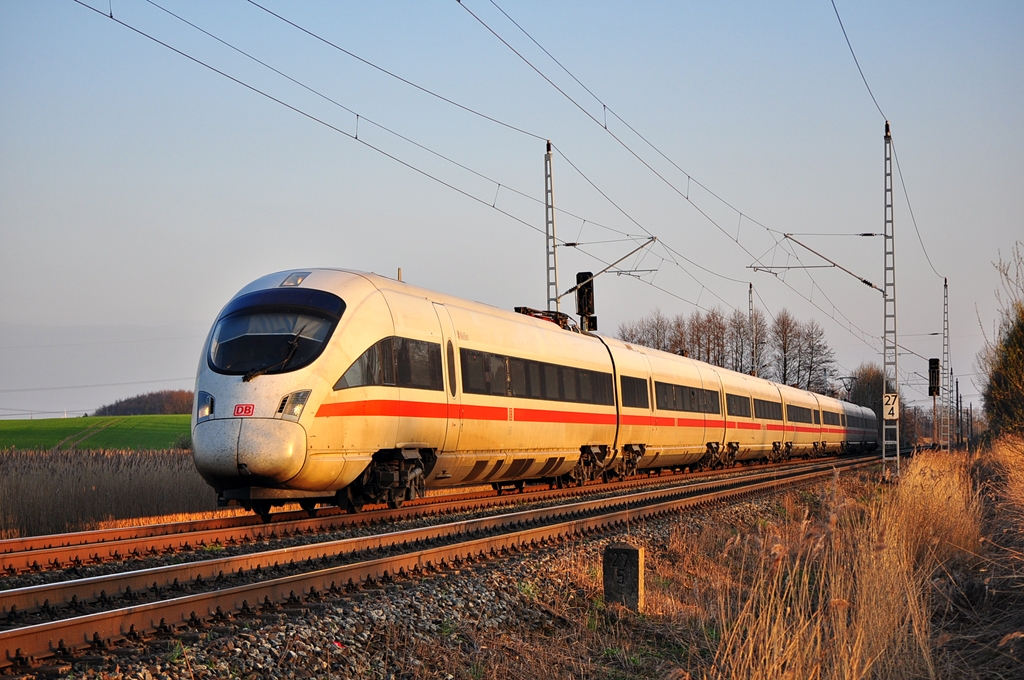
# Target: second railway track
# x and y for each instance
(60, 551)
(138, 603)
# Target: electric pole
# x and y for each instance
(890, 389)
(753, 331)
(549, 234)
(947, 370)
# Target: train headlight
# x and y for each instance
(204, 410)
(292, 405)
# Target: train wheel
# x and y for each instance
(351, 503)
(395, 499)
(262, 508)
(309, 507)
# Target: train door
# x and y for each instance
(715, 409)
(449, 352)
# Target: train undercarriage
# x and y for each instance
(395, 476)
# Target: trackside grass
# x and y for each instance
(52, 491)
(107, 432)
(856, 578)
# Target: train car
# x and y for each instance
(860, 425)
(333, 386)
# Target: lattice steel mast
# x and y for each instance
(549, 234)
(753, 331)
(890, 427)
(947, 370)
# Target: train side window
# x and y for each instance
(387, 360)
(586, 387)
(831, 418)
(374, 367)
(536, 387)
(767, 410)
(496, 368)
(663, 396)
(738, 405)
(570, 383)
(817, 417)
(669, 397)
(418, 364)
(551, 385)
(634, 392)
(604, 389)
(364, 371)
(712, 401)
(798, 414)
(517, 371)
(474, 378)
(451, 368)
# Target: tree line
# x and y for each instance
(786, 350)
(152, 403)
(1001, 360)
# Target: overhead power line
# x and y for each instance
(396, 76)
(857, 62)
(906, 194)
(354, 137)
(862, 335)
(311, 117)
(83, 387)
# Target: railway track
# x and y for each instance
(60, 551)
(198, 595)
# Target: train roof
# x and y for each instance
(338, 280)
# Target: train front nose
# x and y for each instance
(236, 452)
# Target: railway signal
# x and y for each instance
(585, 300)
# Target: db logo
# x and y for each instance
(244, 409)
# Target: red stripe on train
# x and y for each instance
(420, 409)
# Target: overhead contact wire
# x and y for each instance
(396, 76)
(376, 124)
(685, 195)
(313, 118)
(906, 194)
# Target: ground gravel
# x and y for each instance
(375, 633)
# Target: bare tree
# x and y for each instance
(760, 343)
(784, 347)
(678, 342)
(738, 342)
(786, 350)
(716, 328)
(696, 337)
(816, 360)
(653, 330)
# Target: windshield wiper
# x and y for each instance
(293, 346)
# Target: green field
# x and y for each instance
(107, 432)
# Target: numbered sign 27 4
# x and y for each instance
(891, 407)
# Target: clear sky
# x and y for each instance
(139, 190)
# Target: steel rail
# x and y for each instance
(118, 544)
(135, 584)
(23, 645)
(28, 543)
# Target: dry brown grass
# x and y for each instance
(838, 583)
(849, 597)
(46, 492)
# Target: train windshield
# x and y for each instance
(273, 331)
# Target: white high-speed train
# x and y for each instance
(333, 386)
